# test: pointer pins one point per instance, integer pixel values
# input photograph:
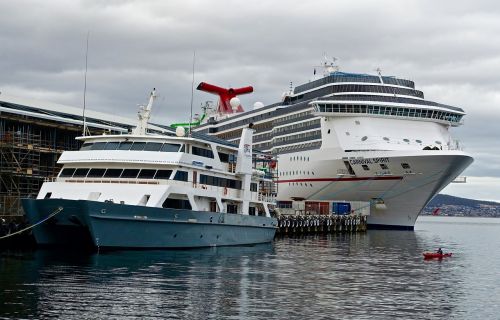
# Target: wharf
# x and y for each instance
(320, 224)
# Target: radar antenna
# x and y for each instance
(329, 65)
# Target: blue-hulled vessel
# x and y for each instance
(169, 190)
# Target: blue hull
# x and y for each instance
(110, 225)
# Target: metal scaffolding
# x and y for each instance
(28, 156)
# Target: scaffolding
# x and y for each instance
(28, 156)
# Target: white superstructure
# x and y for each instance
(196, 172)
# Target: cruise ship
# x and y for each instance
(140, 190)
(353, 137)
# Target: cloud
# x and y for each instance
(451, 49)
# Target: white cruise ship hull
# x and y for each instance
(401, 193)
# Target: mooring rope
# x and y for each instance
(34, 225)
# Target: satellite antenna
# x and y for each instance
(85, 85)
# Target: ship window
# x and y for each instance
(405, 166)
(386, 139)
(384, 166)
(163, 174)
(181, 175)
(125, 145)
(81, 172)
(138, 146)
(438, 142)
(347, 134)
(253, 187)
(251, 211)
(153, 146)
(112, 145)
(96, 173)
(130, 173)
(86, 146)
(357, 122)
(365, 167)
(67, 172)
(147, 174)
(232, 208)
(98, 146)
(364, 138)
(418, 141)
(176, 204)
(113, 173)
(224, 157)
(207, 153)
(406, 140)
(170, 147)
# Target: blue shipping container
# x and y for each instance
(341, 208)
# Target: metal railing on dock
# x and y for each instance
(316, 224)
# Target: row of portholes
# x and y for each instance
(291, 173)
(300, 184)
(364, 138)
(299, 158)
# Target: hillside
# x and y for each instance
(456, 206)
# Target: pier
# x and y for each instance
(320, 224)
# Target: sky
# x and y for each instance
(451, 49)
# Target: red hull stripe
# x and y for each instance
(340, 179)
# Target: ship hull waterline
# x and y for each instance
(109, 225)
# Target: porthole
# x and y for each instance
(438, 142)
(386, 139)
(406, 140)
(357, 122)
(364, 138)
(347, 134)
(365, 167)
(329, 130)
(418, 141)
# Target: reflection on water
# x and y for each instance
(373, 275)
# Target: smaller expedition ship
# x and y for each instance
(156, 191)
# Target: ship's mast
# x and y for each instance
(244, 166)
(144, 114)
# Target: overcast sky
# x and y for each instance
(451, 49)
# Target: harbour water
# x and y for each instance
(373, 275)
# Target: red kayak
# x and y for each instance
(435, 255)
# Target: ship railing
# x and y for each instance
(266, 197)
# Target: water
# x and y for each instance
(377, 275)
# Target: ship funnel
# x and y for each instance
(226, 95)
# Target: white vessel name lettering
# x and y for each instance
(369, 161)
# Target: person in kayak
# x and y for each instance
(439, 251)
